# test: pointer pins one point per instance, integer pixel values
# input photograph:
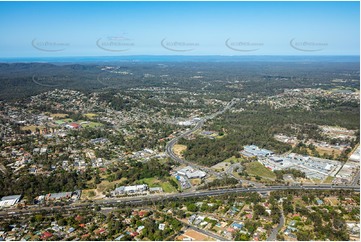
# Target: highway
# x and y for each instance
(140, 200)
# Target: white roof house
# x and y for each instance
(161, 226)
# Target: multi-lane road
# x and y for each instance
(140, 200)
(200, 123)
(198, 126)
(170, 145)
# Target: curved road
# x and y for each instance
(199, 125)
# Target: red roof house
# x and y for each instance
(46, 235)
(133, 234)
(74, 125)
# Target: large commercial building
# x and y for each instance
(313, 167)
(136, 189)
(255, 151)
(191, 173)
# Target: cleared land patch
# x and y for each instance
(58, 115)
(257, 169)
(32, 128)
(91, 115)
(178, 149)
(154, 182)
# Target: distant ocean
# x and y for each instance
(179, 58)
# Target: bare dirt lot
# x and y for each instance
(222, 166)
(194, 235)
(178, 149)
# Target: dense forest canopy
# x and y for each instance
(263, 77)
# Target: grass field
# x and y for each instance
(233, 159)
(222, 166)
(91, 124)
(154, 182)
(66, 120)
(32, 128)
(92, 194)
(104, 185)
(163, 161)
(316, 181)
(58, 115)
(329, 179)
(59, 122)
(327, 151)
(151, 182)
(257, 169)
(87, 194)
(91, 115)
(168, 188)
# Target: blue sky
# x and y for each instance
(52, 29)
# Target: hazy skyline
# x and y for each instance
(55, 29)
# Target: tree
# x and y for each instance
(259, 210)
(191, 207)
(62, 222)
(242, 237)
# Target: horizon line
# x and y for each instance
(154, 55)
